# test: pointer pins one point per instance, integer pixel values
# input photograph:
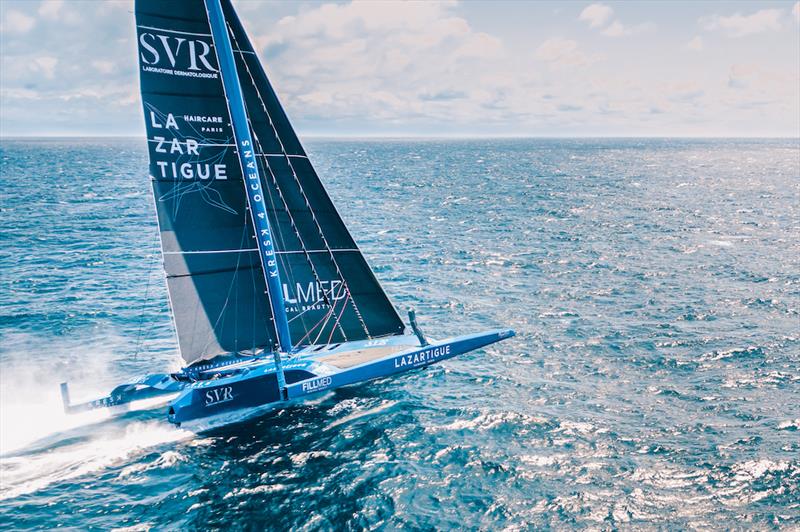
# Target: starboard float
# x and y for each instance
(272, 300)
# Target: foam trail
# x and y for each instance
(31, 472)
(39, 443)
(31, 409)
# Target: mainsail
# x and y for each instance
(216, 282)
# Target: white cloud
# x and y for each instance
(419, 68)
(687, 92)
(104, 67)
(695, 44)
(616, 29)
(18, 94)
(738, 25)
(50, 8)
(45, 65)
(564, 52)
(756, 77)
(596, 15)
(387, 60)
(18, 22)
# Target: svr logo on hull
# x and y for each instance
(219, 395)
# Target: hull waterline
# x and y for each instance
(233, 390)
(256, 388)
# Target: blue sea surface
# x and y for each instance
(654, 383)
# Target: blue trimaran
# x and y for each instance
(273, 301)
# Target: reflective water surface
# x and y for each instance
(654, 382)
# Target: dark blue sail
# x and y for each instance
(219, 297)
(214, 275)
(330, 293)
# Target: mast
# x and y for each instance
(252, 181)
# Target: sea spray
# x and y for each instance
(95, 450)
(39, 442)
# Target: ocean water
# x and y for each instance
(654, 382)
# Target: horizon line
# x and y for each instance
(437, 137)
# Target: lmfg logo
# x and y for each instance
(178, 53)
(219, 395)
(313, 292)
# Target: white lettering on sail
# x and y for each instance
(173, 170)
(311, 295)
(169, 123)
(165, 54)
(208, 124)
(181, 146)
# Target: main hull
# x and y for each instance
(313, 373)
(237, 388)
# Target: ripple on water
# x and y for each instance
(653, 383)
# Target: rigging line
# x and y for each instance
(254, 317)
(153, 255)
(280, 195)
(331, 313)
(301, 314)
(300, 187)
(293, 224)
(323, 321)
(227, 296)
(277, 343)
(339, 317)
(299, 237)
(286, 264)
(268, 191)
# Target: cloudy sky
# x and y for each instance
(426, 68)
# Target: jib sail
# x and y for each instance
(330, 293)
(216, 282)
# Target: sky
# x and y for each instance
(474, 68)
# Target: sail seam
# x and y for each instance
(295, 252)
(209, 251)
(210, 272)
(200, 144)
